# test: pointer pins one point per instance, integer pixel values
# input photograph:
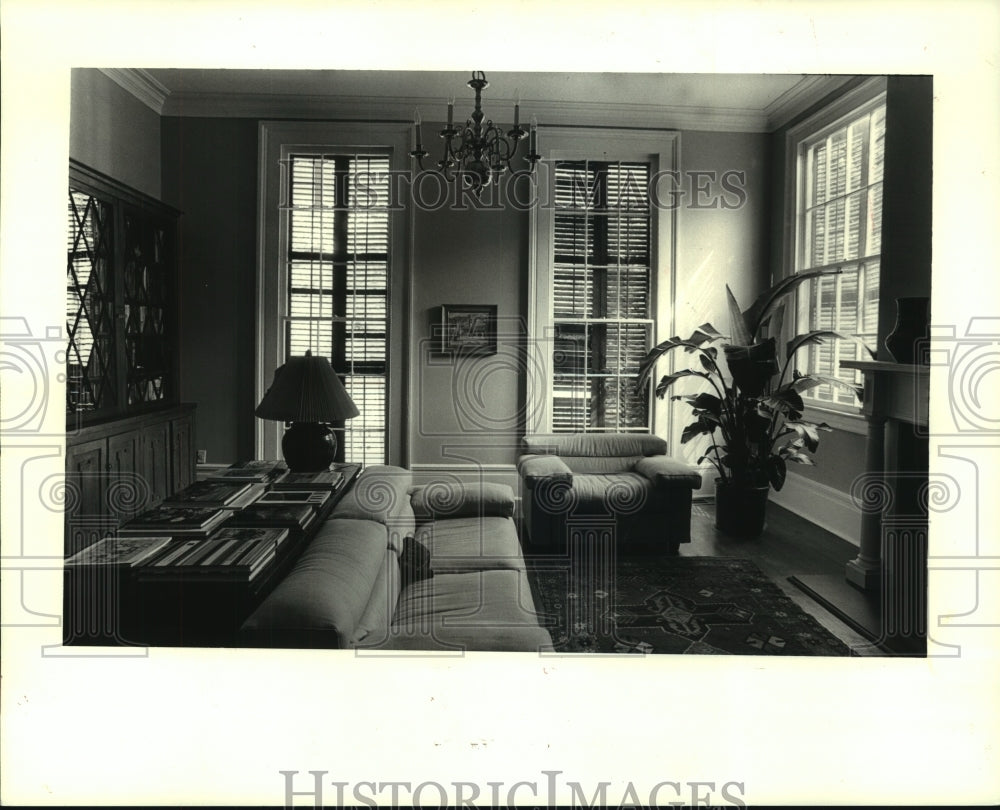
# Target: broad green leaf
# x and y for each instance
(803, 382)
(654, 354)
(703, 401)
(776, 470)
(786, 399)
(769, 299)
(741, 334)
(816, 337)
(696, 429)
(669, 379)
(706, 333)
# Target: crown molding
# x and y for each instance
(798, 98)
(779, 112)
(141, 85)
(549, 113)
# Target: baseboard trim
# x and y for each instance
(823, 505)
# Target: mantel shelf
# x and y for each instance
(882, 366)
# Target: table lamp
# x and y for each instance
(307, 395)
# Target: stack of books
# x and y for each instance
(253, 472)
(119, 551)
(185, 521)
(329, 480)
(237, 553)
(295, 516)
(217, 494)
(286, 497)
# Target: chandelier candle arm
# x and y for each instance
(482, 152)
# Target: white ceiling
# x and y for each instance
(741, 102)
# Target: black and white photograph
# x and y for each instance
(701, 442)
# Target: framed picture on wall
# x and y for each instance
(468, 328)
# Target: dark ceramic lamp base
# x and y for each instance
(308, 446)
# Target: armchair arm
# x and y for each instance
(667, 471)
(533, 468)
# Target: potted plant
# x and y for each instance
(752, 410)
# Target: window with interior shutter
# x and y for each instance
(839, 225)
(600, 295)
(338, 269)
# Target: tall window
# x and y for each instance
(600, 295)
(839, 225)
(337, 275)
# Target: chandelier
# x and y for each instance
(480, 152)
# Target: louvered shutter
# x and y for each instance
(841, 228)
(338, 266)
(600, 295)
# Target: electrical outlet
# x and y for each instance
(203, 456)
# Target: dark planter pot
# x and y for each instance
(740, 510)
(912, 318)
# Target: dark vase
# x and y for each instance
(912, 318)
(740, 510)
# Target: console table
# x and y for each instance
(116, 607)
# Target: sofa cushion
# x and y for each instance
(622, 493)
(330, 587)
(453, 499)
(381, 494)
(485, 610)
(471, 544)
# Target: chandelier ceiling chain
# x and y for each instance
(480, 152)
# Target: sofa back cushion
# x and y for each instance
(381, 494)
(595, 444)
(596, 453)
(455, 499)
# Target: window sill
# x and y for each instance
(847, 421)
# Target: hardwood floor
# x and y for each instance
(790, 546)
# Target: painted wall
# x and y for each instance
(468, 407)
(210, 174)
(113, 132)
(718, 245)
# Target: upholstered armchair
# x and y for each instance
(623, 483)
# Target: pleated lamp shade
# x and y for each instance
(306, 389)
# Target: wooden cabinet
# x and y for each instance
(119, 468)
(121, 300)
(130, 443)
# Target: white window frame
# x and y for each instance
(277, 141)
(853, 103)
(660, 149)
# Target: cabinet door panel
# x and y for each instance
(183, 455)
(156, 460)
(128, 491)
(86, 489)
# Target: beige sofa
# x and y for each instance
(398, 567)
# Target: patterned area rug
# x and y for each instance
(679, 605)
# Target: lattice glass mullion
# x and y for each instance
(91, 374)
